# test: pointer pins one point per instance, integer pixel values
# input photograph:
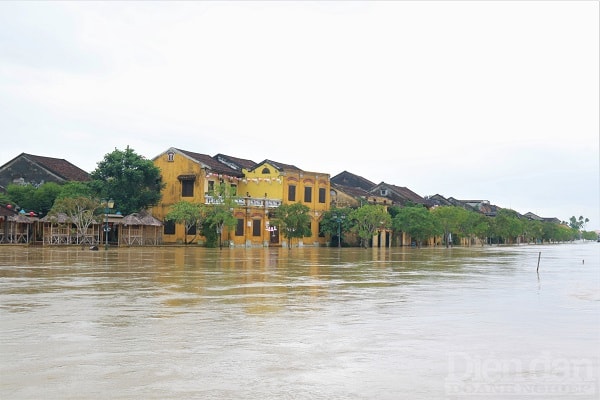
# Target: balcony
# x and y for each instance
(245, 201)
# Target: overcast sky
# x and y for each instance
(493, 100)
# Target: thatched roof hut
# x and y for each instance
(5, 212)
(60, 218)
(140, 229)
(134, 229)
(59, 229)
(19, 228)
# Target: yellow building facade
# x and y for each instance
(289, 184)
(260, 188)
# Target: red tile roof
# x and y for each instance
(214, 165)
(60, 167)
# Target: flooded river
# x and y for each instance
(305, 323)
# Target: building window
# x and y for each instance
(211, 186)
(384, 192)
(308, 194)
(234, 190)
(322, 195)
(321, 234)
(170, 156)
(169, 227)
(187, 188)
(292, 193)
(256, 231)
(239, 228)
(266, 171)
(192, 230)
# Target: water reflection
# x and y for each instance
(279, 323)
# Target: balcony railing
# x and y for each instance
(245, 201)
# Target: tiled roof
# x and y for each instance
(348, 179)
(213, 164)
(437, 200)
(532, 216)
(405, 193)
(279, 166)
(60, 167)
(235, 162)
(458, 203)
(352, 191)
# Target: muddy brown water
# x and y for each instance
(301, 323)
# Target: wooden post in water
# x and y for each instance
(538, 266)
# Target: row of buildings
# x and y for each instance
(260, 187)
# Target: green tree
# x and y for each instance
(75, 189)
(22, 195)
(465, 224)
(132, 181)
(293, 221)
(550, 231)
(334, 223)
(533, 230)
(186, 213)
(589, 235)
(449, 218)
(45, 196)
(578, 224)
(416, 221)
(507, 225)
(477, 226)
(5, 199)
(34, 198)
(219, 215)
(81, 211)
(367, 220)
(565, 233)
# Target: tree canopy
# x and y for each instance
(219, 215)
(293, 221)
(186, 213)
(79, 210)
(416, 221)
(578, 223)
(334, 221)
(507, 225)
(75, 189)
(367, 220)
(34, 198)
(132, 181)
(449, 219)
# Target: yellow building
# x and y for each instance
(289, 184)
(260, 188)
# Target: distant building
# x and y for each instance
(348, 179)
(533, 217)
(350, 190)
(437, 200)
(483, 206)
(397, 195)
(36, 170)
